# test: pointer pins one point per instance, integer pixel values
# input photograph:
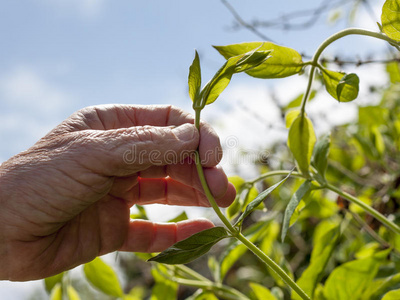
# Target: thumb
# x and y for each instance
(119, 152)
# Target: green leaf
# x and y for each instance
(234, 252)
(392, 295)
(72, 293)
(393, 70)
(301, 142)
(319, 159)
(191, 248)
(343, 87)
(220, 81)
(296, 102)
(391, 19)
(194, 79)
(164, 289)
(283, 63)
(290, 208)
(181, 217)
(260, 198)
(56, 292)
(103, 277)
(50, 282)
(261, 292)
(353, 278)
(347, 88)
(382, 286)
(235, 64)
(291, 116)
(252, 60)
(378, 140)
(319, 259)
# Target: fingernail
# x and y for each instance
(185, 132)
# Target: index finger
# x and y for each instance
(107, 117)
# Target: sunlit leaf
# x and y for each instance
(260, 198)
(261, 292)
(191, 248)
(103, 277)
(50, 282)
(291, 116)
(72, 293)
(301, 142)
(343, 87)
(296, 102)
(381, 286)
(293, 203)
(319, 259)
(353, 277)
(391, 19)
(194, 79)
(319, 158)
(392, 295)
(234, 252)
(283, 62)
(56, 292)
(393, 70)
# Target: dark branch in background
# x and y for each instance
(243, 23)
(286, 22)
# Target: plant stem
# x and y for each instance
(376, 214)
(204, 184)
(274, 266)
(274, 173)
(326, 43)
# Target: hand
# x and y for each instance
(67, 199)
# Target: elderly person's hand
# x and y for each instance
(67, 199)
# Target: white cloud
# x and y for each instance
(31, 104)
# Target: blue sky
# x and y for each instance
(57, 56)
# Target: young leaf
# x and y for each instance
(103, 277)
(343, 87)
(220, 81)
(392, 295)
(284, 61)
(391, 19)
(296, 102)
(347, 88)
(260, 198)
(301, 142)
(319, 159)
(191, 248)
(194, 79)
(261, 292)
(235, 64)
(319, 258)
(291, 116)
(353, 277)
(50, 282)
(294, 201)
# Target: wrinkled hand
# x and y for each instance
(66, 200)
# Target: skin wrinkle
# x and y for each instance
(77, 165)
